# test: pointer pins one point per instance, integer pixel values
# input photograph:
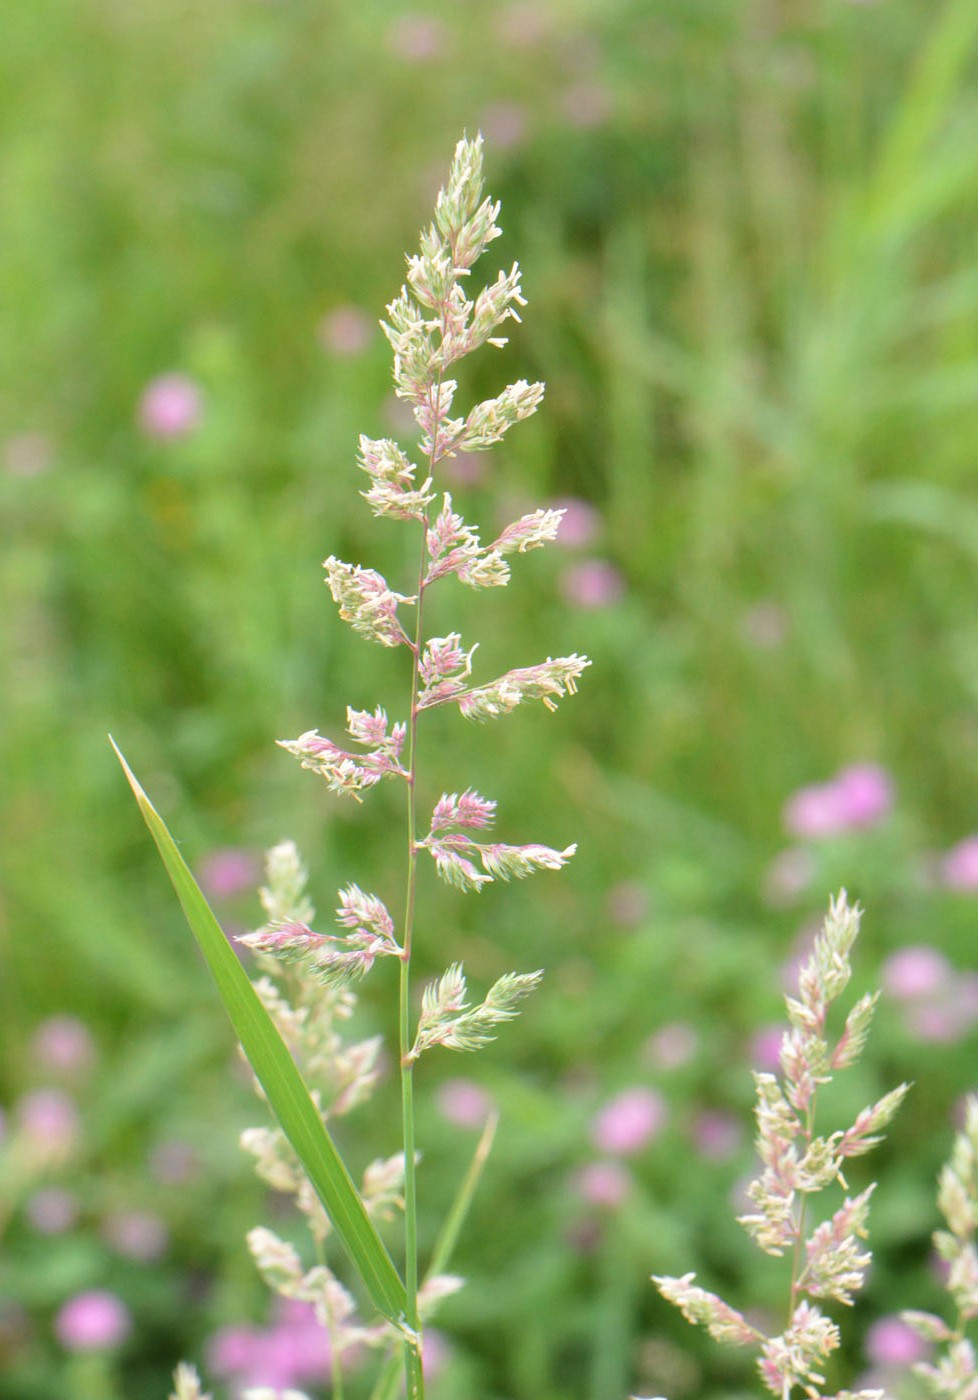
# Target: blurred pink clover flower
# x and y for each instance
(93, 1321)
(959, 868)
(891, 1342)
(604, 1184)
(171, 407)
(591, 584)
(858, 797)
(629, 1121)
(463, 1102)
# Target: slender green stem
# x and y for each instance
(415, 1379)
(335, 1358)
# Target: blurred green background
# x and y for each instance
(748, 236)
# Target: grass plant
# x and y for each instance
(747, 236)
(433, 324)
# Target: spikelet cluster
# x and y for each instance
(828, 1260)
(306, 975)
(434, 321)
(953, 1374)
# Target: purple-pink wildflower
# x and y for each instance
(579, 525)
(227, 872)
(94, 1320)
(916, 972)
(672, 1046)
(629, 1121)
(717, 1135)
(49, 1120)
(171, 407)
(959, 868)
(136, 1234)
(942, 1021)
(591, 584)
(292, 1350)
(890, 1342)
(463, 1102)
(765, 1047)
(63, 1044)
(858, 797)
(605, 1184)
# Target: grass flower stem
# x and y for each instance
(414, 1371)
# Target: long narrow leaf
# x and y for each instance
(279, 1077)
(455, 1219)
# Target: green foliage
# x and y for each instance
(275, 1070)
(746, 232)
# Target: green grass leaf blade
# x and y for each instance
(279, 1077)
(451, 1228)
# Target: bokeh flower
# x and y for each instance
(717, 1135)
(227, 872)
(435, 1352)
(629, 1121)
(891, 1343)
(959, 868)
(92, 1321)
(63, 1044)
(591, 584)
(49, 1120)
(580, 522)
(765, 1048)
(946, 1018)
(857, 797)
(605, 1184)
(672, 1045)
(293, 1350)
(171, 407)
(915, 972)
(463, 1102)
(136, 1234)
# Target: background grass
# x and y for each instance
(748, 236)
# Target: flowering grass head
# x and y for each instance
(828, 1260)
(953, 1375)
(303, 996)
